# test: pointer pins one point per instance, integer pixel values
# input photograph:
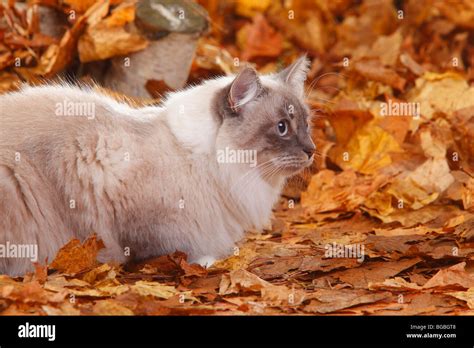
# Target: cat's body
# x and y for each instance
(145, 180)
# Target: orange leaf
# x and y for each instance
(75, 257)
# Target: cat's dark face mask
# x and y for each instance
(268, 116)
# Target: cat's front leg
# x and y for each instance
(112, 253)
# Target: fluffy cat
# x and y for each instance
(151, 180)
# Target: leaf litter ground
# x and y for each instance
(391, 194)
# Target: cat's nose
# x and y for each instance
(309, 151)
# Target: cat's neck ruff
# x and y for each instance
(191, 119)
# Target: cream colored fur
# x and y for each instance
(145, 180)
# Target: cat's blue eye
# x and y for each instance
(282, 127)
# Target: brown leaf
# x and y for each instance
(259, 39)
(453, 276)
(241, 281)
(109, 38)
(373, 272)
(41, 273)
(328, 301)
(447, 92)
(75, 257)
(345, 191)
(375, 71)
(110, 307)
(31, 292)
(311, 32)
(467, 296)
(460, 12)
(192, 269)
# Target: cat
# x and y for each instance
(191, 174)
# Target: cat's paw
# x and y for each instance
(205, 261)
(108, 255)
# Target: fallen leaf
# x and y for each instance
(445, 93)
(155, 289)
(259, 39)
(373, 272)
(108, 38)
(368, 150)
(110, 307)
(75, 257)
(453, 276)
(241, 280)
(250, 8)
(31, 292)
(328, 301)
(345, 191)
(461, 12)
(467, 296)
(375, 71)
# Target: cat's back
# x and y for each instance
(51, 110)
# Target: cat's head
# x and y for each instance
(267, 117)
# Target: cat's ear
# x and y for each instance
(295, 74)
(245, 88)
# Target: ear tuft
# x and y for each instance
(295, 74)
(245, 87)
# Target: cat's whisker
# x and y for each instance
(254, 169)
(248, 178)
(153, 178)
(315, 82)
(325, 100)
(266, 167)
(330, 86)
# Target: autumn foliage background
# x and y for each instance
(400, 185)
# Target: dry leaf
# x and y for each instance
(250, 8)
(108, 37)
(75, 257)
(445, 93)
(453, 276)
(345, 191)
(259, 39)
(368, 150)
(467, 296)
(375, 71)
(334, 300)
(241, 280)
(145, 288)
(110, 307)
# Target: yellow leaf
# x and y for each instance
(413, 191)
(249, 8)
(468, 195)
(445, 93)
(368, 150)
(145, 288)
(110, 307)
(246, 255)
(344, 191)
(467, 296)
(79, 5)
(108, 37)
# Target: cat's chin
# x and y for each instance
(292, 170)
